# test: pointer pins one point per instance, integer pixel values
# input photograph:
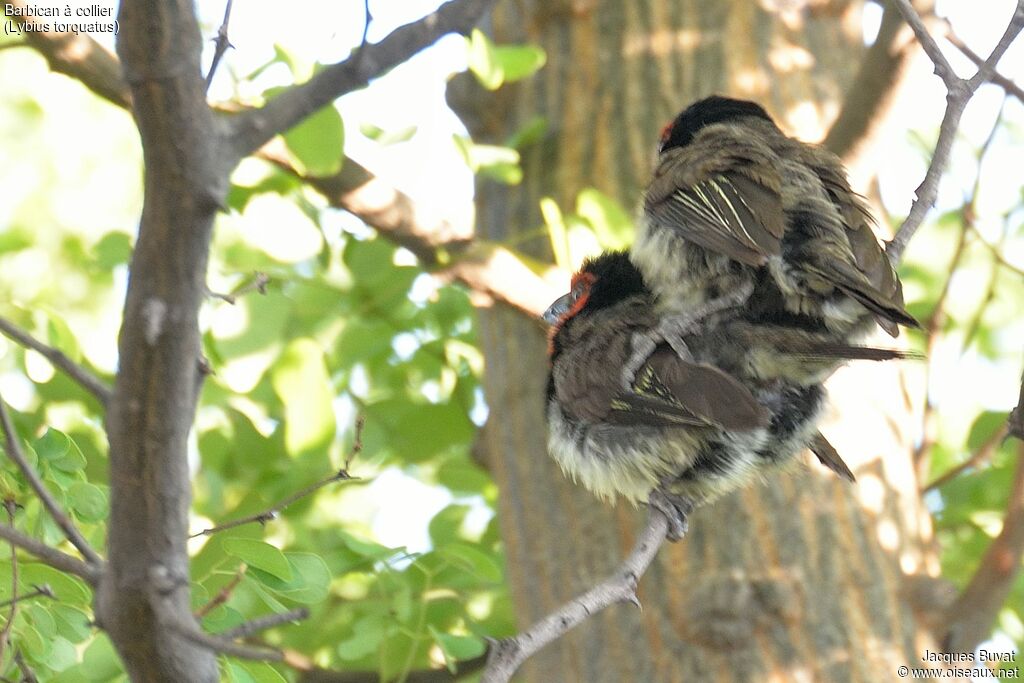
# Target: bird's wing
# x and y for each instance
(830, 457)
(725, 212)
(870, 277)
(669, 391)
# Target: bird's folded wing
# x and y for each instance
(726, 213)
(669, 391)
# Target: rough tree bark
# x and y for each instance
(801, 579)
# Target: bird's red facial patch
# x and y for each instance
(579, 293)
(666, 131)
(581, 284)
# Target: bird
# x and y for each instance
(737, 215)
(684, 431)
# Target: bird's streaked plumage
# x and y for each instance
(733, 202)
(687, 427)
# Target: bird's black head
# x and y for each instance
(602, 281)
(710, 110)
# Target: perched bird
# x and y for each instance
(738, 215)
(683, 431)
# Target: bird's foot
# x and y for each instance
(675, 508)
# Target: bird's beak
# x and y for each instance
(557, 309)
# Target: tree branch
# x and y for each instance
(959, 93)
(254, 626)
(492, 273)
(873, 91)
(43, 591)
(1015, 423)
(5, 635)
(272, 512)
(971, 615)
(79, 374)
(221, 44)
(251, 129)
(507, 655)
(1002, 81)
(79, 56)
(51, 556)
(14, 452)
(983, 453)
(217, 644)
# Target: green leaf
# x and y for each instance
(318, 142)
(364, 548)
(59, 451)
(300, 380)
(483, 61)
(529, 133)
(260, 555)
(310, 580)
(384, 137)
(984, 427)
(32, 641)
(62, 654)
(72, 623)
(262, 672)
(492, 161)
(301, 69)
(88, 501)
(557, 231)
(14, 239)
(236, 673)
(113, 249)
(456, 648)
(519, 61)
(495, 65)
(68, 589)
(474, 560)
(445, 525)
(609, 221)
(368, 633)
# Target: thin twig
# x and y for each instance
(1002, 81)
(507, 655)
(937, 319)
(254, 626)
(997, 254)
(83, 377)
(217, 643)
(43, 591)
(251, 129)
(272, 512)
(49, 502)
(959, 93)
(367, 18)
(221, 44)
(357, 441)
(27, 674)
(52, 556)
(969, 618)
(1015, 422)
(257, 283)
(5, 636)
(985, 451)
(222, 595)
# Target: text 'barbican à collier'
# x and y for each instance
(43, 11)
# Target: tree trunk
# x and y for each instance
(798, 579)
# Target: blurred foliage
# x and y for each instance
(963, 279)
(349, 326)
